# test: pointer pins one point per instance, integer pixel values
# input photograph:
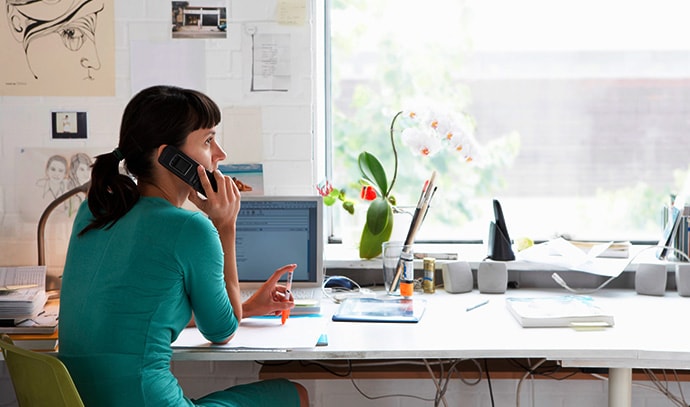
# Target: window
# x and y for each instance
(582, 109)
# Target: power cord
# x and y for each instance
(528, 373)
(657, 386)
(559, 280)
(339, 294)
(441, 382)
(488, 380)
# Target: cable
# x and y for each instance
(559, 280)
(339, 294)
(437, 383)
(441, 383)
(453, 368)
(488, 380)
(383, 396)
(656, 387)
(522, 379)
(663, 388)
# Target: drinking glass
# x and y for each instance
(391, 258)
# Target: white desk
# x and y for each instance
(650, 332)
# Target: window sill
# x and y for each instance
(342, 260)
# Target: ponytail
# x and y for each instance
(111, 194)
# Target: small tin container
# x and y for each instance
(429, 281)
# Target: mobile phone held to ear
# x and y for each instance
(184, 167)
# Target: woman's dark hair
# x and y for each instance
(155, 116)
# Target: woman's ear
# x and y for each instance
(160, 151)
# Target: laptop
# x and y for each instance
(273, 231)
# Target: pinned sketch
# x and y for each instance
(270, 62)
(68, 125)
(44, 174)
(57, 48)
(199, 19)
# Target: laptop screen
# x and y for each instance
(274, 231)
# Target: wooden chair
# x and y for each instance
(39, 379)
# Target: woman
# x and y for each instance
(138, 265)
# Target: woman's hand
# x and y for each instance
(270, 298)
(223, 205)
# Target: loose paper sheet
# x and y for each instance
(271, 63)
(264, 333)
(559, 252)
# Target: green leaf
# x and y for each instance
(349, 206)
(330, 199)
(373, 171)
(370, 244)
(379, 215)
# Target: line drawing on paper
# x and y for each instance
(62, 175)
(72, 21)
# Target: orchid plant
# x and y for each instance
(427, 132)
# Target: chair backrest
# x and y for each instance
(38, 379)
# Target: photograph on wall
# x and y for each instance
(199, 19)
(44, 174)
(69, 125)
(57, 48)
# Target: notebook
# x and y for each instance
(276, 230)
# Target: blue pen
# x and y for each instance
(468, 309)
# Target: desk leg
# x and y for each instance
(620, 387)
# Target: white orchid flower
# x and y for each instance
(425, 143)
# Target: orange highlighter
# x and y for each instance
(288, 287)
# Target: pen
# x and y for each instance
(468, 309)
(288, 287)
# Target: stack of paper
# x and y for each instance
(22, 292)
(46, 322)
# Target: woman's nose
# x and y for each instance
(219, 153)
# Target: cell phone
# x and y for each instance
(184, 167)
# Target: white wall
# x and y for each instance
(287, 118)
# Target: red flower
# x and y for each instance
(368, 193)
(324, 188)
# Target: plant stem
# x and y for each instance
(395, 155)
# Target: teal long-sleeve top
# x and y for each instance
(128, 291)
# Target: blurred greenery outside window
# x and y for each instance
(582, 109)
